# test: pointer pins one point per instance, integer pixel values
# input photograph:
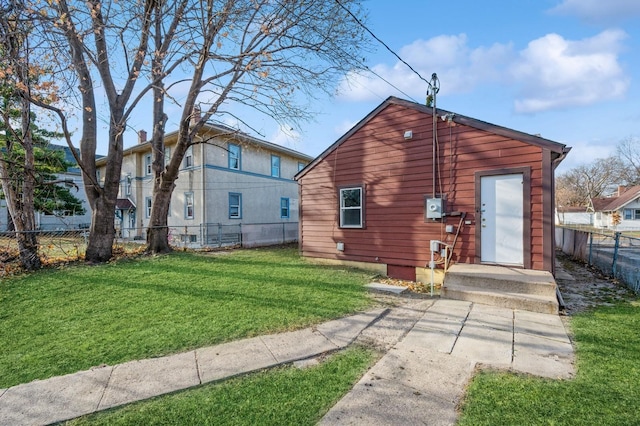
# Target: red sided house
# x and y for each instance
(385, 190)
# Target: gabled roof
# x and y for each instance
(220, 130)
(558, 150)
(600, 203)
(616, 203)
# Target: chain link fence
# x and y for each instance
(71, 244)
(615, 254)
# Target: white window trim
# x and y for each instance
(360, 208)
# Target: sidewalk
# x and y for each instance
(433, 347)
(61, 398)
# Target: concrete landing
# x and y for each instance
(500, 286)
(422, 379)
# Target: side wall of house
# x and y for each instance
(261, 195)
(397, 177)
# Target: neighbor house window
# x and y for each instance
(284, 208)
(234, 156)
(132, 220)
(351, 207)
(275, 166)
(127, 185)
(235, 205)
(301, 166)
(188, 158)
(188, 205)
(631, 214)
(147, 164)
(147, 205)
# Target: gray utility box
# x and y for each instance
(434, 208)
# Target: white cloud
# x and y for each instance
(555, 73)
(459, 68)
(598, 11)
(550, 73)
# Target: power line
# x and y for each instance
(382, 42)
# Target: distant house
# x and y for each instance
(627, 206)
(230, 179)
(64, 220)
(382, 192)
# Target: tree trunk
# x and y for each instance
(102, 231)
(28, 248)
(158, 232)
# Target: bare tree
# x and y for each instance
(102, 47)
(271, 56)
(18, 75)
(628, 153)
(576, 187)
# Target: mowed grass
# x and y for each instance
(283, 396)
(55, 322)
(604, 392)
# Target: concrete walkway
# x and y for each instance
(421, 380)
(432, 349)
(61, 398)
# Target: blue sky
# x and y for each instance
(565, 69)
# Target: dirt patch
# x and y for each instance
(584, 288)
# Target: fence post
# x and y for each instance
(590, 248)
(284, 236)
(219, 235)
(615, 253)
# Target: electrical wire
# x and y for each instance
(359, 22)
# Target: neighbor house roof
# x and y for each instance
(615, 203)
(220, 130)
(558, 150)
(125, 204)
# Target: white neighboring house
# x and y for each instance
(46, 222)
(231, 179)
(627, 204)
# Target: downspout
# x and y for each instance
(554, 165)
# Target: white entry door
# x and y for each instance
(502, 219)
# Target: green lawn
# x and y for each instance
(59, 321)
(282, 396)
(605, 391)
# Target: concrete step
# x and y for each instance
(525, 302)
(502, 286)
(511, 280)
